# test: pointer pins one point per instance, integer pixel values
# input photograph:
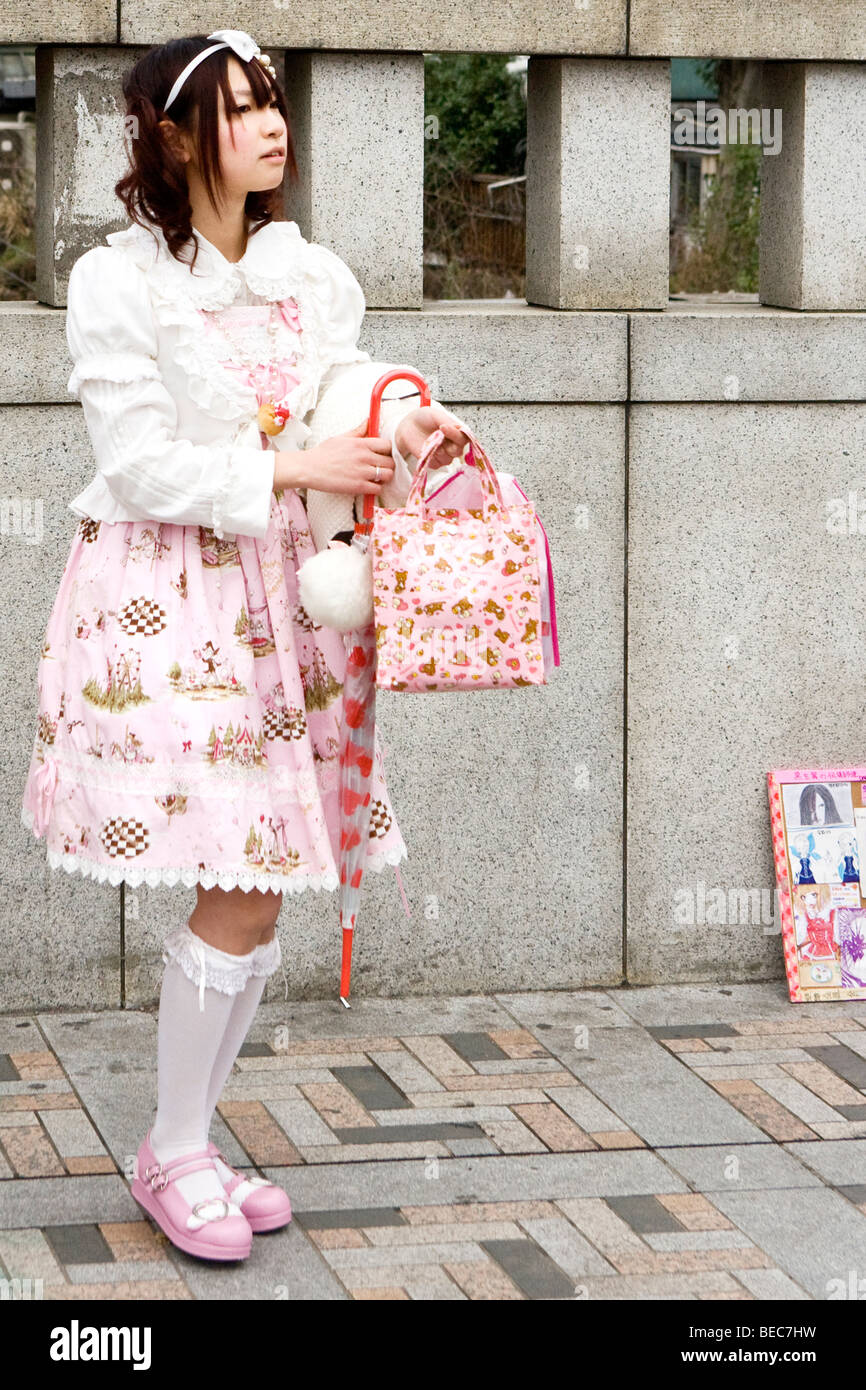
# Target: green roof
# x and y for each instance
(687, 84)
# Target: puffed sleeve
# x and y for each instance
(341, 311)
(131, 415)
(343, 306)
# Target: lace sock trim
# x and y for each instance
(267, 958)
(205, 965)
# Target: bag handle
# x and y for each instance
(476, 458)
(365, 526)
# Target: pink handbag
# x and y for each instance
(457, 591)
(463, 489)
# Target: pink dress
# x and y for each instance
(189, 710)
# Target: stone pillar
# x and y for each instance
(813, 190)
(358, 123)
(597, 183)
(80, 156)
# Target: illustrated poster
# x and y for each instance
(818, 819)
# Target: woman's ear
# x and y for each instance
(175, 139)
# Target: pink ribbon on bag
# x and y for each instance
(45, 783)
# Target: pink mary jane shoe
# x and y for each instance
(213, 1229)
(265, 1206)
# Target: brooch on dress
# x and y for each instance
(272, 418)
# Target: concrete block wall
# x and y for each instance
(682, 458)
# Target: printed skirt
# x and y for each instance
(189, 713)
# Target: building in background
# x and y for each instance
(17, 113)
(692, 162)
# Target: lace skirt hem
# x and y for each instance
(245, 879)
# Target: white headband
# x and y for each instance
(239, 42)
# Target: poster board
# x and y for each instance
(818, 820)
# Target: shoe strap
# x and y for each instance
(237, 1179)
(217, 1153)
(181, 1166)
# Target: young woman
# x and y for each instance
(189, 709)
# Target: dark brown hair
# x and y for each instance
(154, 189)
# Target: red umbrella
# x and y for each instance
(357, 731)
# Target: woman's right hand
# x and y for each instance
(345, 463)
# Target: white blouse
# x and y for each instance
(174, 431)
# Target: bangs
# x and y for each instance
(206, 103)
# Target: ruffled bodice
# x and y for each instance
(279, 265)
(138, 317)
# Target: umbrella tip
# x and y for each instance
(345, 1002)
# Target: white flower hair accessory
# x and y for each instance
(239, 42)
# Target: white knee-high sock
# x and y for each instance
(267, 959)
(238, 1025)
(189, 1039)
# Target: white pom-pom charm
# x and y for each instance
(336, 586)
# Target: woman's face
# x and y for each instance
(246, 136)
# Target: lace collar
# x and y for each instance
(279, 263)
(266, 265)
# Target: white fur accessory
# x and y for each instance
(336, 584)
(336, 587)
(343, 405)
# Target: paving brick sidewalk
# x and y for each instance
(683, 1142)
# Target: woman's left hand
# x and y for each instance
(413, 430)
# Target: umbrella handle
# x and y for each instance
(364, 528)
(346, 967)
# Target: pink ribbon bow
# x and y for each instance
(46, 786)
